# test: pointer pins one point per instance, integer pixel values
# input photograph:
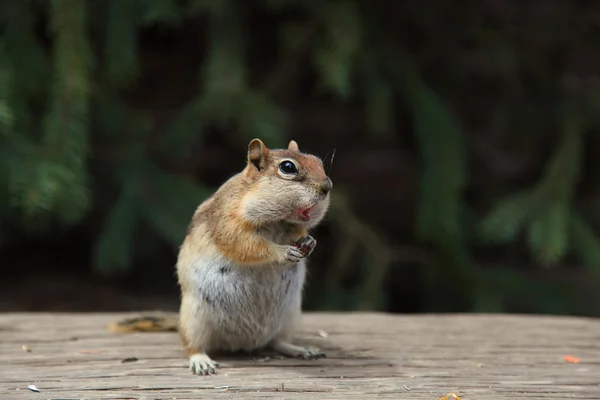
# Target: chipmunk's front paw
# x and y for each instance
(306, 245)
(201, 364)
(293, 254)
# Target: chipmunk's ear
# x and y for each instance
(293, 146)
(257, 154)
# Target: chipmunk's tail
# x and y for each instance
(146, 323)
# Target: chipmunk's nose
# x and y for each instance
(326, 186)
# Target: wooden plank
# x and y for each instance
(369, 356)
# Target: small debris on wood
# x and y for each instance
(264, 359)
(90, 352)
(571, 359)
(221, 387)
(26, 349)
(406, 387)
(323, 334)
(129, 359)
(450, 396)
(33, 388)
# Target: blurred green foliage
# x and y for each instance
(61, 100)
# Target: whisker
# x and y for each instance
(331, 161)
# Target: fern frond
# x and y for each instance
(510, 215)
(224, 69)
(6, 111)
(562, 173)
(214, 8)
(121, 41)
(115, 118)
(171, 204)
(70, 207)
(548, 233)
(164, 222)
(443, 179)
(259, 116)
(37, 186)
(66, 123)
(16, 156)
(113, 250)
(65, 140)
(188, 124)
(443, 159)
(549, 230)
(336, 52)
(24, 52)
(163, 11)
(282, 4)
(379, 104)
(585, 243)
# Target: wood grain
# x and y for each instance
(370, 355)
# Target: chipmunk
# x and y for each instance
(241, 267)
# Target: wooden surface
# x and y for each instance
(369, 356)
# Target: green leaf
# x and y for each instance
(113, 250)
(504, 222)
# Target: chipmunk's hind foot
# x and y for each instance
(293, 351)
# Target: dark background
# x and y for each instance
(465, 136)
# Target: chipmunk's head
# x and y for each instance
(287, 185)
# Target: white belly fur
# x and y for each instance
(246, 307)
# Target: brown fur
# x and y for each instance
(235, 237)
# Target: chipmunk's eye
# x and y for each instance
(288, 167)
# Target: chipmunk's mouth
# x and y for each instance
(303, 213)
